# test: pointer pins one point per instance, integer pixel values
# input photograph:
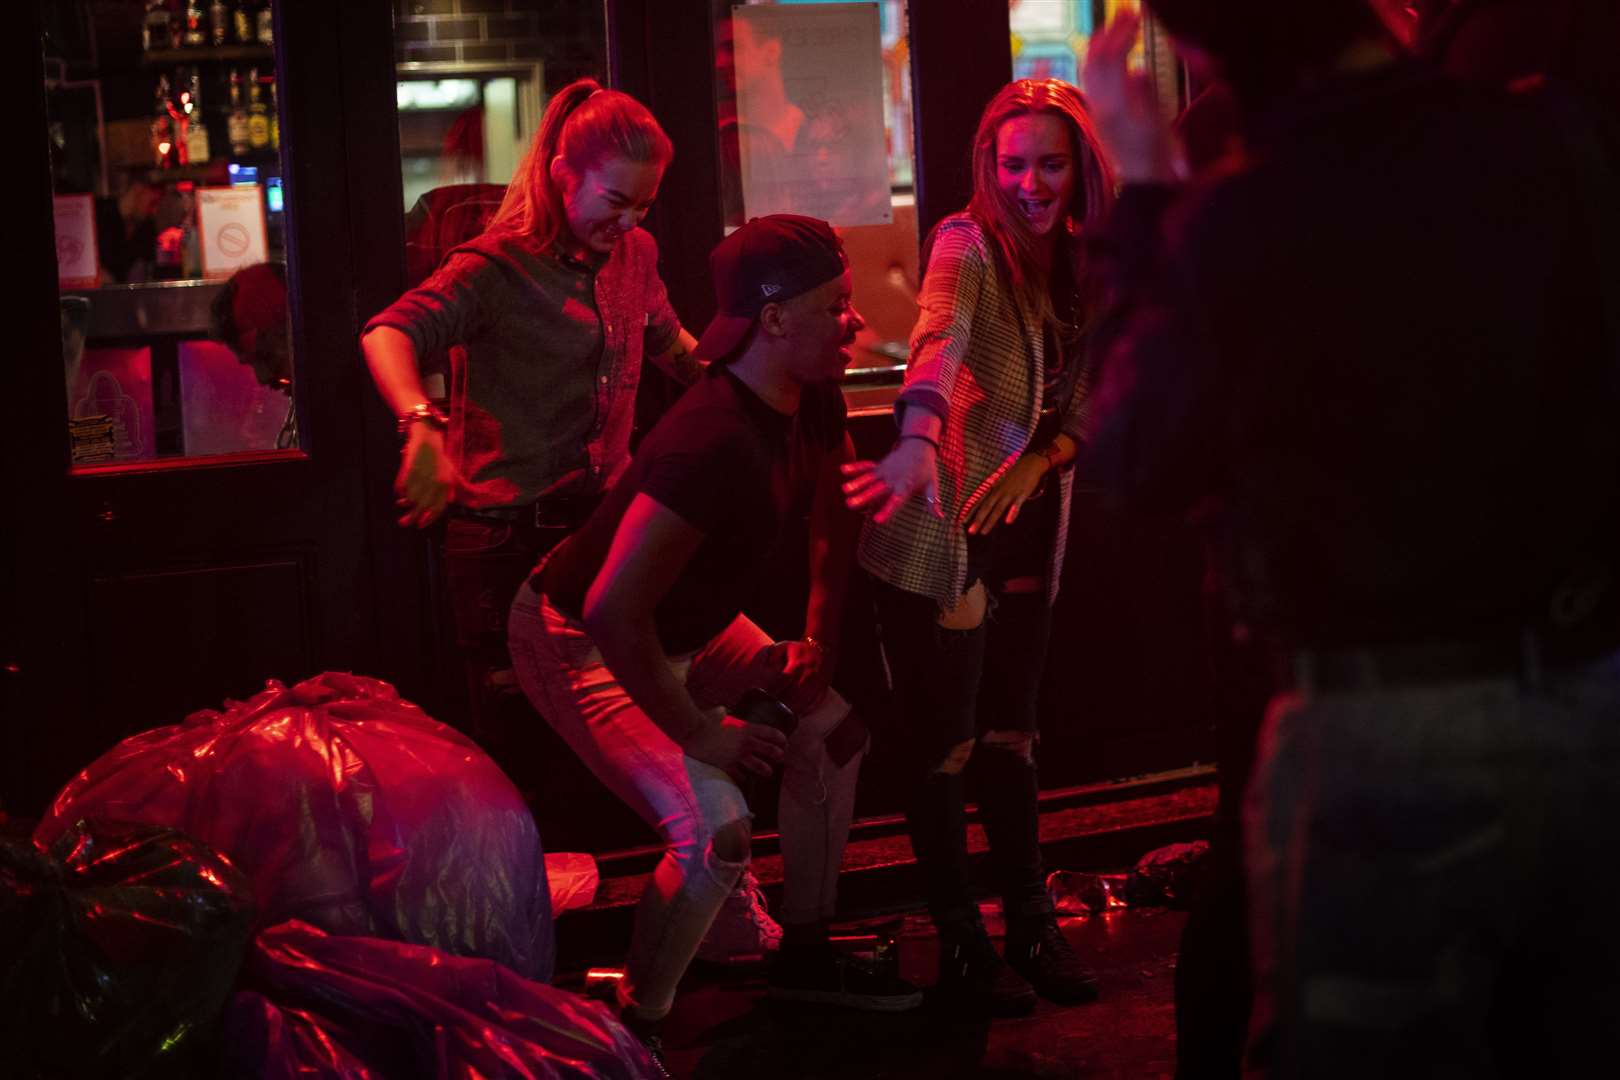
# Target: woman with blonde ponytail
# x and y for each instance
(547, 317)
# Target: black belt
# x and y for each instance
(1524, 655)
(553, 512)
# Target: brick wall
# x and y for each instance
(566, 36)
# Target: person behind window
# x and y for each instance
(127, 233)
(250, 315)
(971, 508)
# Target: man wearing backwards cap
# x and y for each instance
(631, 642)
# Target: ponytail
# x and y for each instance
(584, 124)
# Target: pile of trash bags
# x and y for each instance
(320, 879)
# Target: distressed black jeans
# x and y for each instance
(953, 687)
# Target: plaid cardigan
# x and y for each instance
(978, 361)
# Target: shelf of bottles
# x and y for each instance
(214, 95)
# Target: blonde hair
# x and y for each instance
(584, 124)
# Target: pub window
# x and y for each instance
(473, 77)
(814, 101)
(171, 225)
(1049, 40)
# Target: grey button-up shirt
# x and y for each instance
(545, 358)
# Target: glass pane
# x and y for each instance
(473, 79)
(800, 94)
(171, 227)
(1049, 39)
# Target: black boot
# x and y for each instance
(1038, 950)
(973, 978)
(647, 1032)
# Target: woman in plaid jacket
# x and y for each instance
(969, 512)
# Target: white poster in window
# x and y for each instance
(230, 223)
(77, 264)
(809, 129)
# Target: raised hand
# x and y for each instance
(1124, 107)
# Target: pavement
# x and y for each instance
(723, 1026)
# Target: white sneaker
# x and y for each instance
(744, 930)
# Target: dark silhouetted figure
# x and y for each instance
(1383, 356)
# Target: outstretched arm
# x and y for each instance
(427, 479)
(652, 546)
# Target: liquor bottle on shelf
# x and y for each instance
(155, 26)
(266, 25)
(190, 242)
(242, 30)
(219, 23)
(258, 114)
(275, 117)
(196, 126)
(236, 128)
(165, 153)
(195, 34)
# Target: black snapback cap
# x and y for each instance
(768, 260)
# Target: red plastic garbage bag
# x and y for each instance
(348, 808)
(360, 1007)
(118, 949)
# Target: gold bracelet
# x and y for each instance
(421, 413)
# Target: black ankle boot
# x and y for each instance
(1038, 950)
(973, 978)
(647, 1032)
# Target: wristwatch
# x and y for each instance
(1051, 453)
(422, 412)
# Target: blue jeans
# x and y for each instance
(687, 801)
(1433, 878)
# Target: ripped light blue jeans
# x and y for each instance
(687, 801)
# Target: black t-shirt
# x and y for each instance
(733, 468)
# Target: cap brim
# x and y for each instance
(723, 336)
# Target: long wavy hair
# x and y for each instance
(585, 124)
(1016, 247)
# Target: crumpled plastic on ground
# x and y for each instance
(364, 1008)
(348, 808)
(1165, 877)
(1077, 893)
(118, 950)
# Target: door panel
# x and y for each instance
(146, 590)
(213, 632)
